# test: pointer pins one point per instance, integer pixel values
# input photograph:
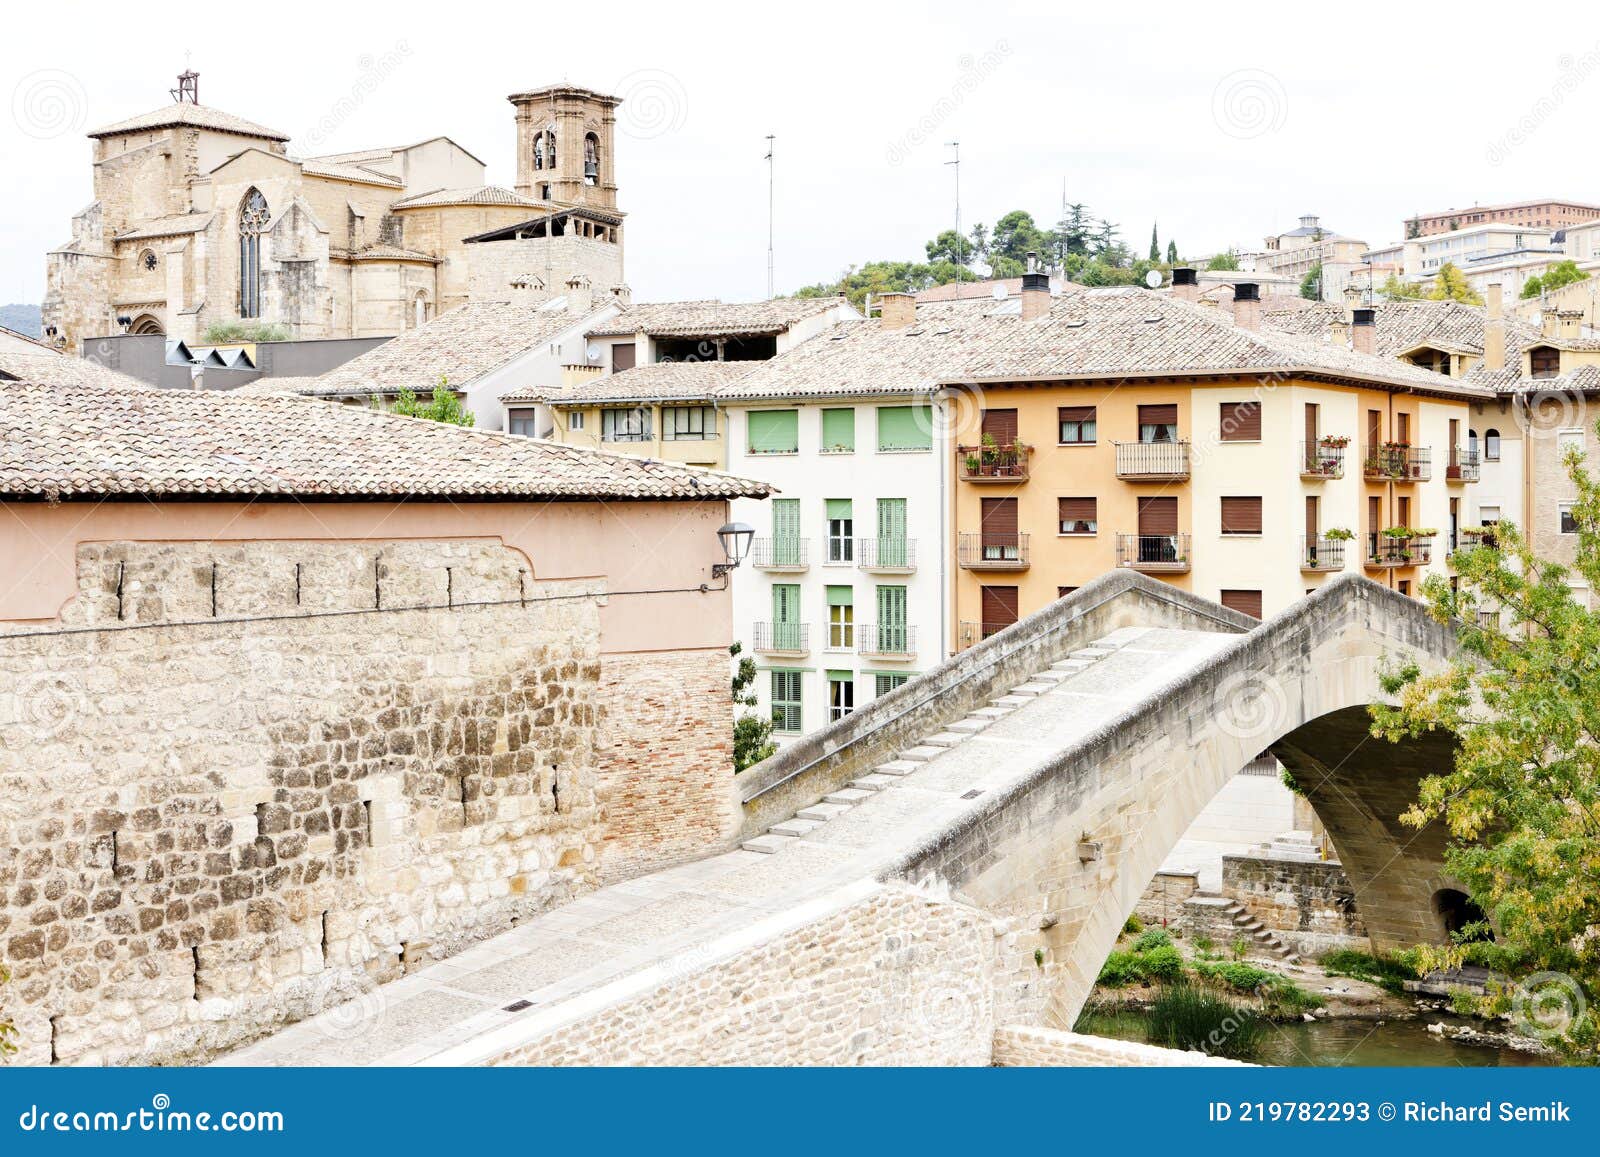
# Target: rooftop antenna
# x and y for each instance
(956, 163)
(771, 184)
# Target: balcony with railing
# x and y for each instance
(1386, 550)
(1152, 461)
(781, 638)
(1320, 553)
(1322, 459)
(886, 640)
(887, 555)
(993, 462)
(971, 634)
(1154, 553)
(1397, 462)
(992, 551)
(1465, 465)
(783, 553)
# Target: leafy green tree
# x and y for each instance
(1393, 289)
(1155, 245)
(1172, 252)
(1450, 284)
(752, 735)
(950, 247)
(980, 240)
(880, 277)
(1311, 283)
(1015, 236)
(1521, 805)
(1106, 241)
(1227, 262)
(1073, 232)
(444, 406)
(1557, 275)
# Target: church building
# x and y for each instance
(203, 217)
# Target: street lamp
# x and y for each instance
(735, 538)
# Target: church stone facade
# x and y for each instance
(200, 217)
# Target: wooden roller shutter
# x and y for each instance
(1161, 415)
(999, 521)
(622, 356)
(1245, 602)
(1158, 516)
(1241, 421)
(1001, 425)
(1073, 510)
(1075, 413)
(999, 607)
(1241, 515)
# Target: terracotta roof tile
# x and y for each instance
(196, 115)
(482, 195)
(712, 318)
(659, 382)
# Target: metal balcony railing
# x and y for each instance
(1386, 551)
(781, 638)
(1465, 465)
(1006, 462)
(992, 551)
(1396, 462)
(895, 555)
(1152, 460)
(886, 640)
(1319, 460)
(782, 553)
(1153, 553)
(1321, 554)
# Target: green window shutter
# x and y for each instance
(774, 431)
(838, 430)
(785, 602)
(892, 532)
(786, 700)
(905, 428)
(841, 596)
(839, 508)
(842, 676)
(892, 634)
(785, 518)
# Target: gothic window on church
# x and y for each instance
(544, 150)
(591, 159)
(253, 219)
(148, 261)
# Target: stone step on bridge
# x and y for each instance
(954, 858)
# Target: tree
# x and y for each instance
(444, 406)
(1172, 252)
(1450, 284)
(980, 240)
(1228, 261)
(1015, 236)
(1521, 805)
(880, 277)
(1311, 283)
(950, 247)
(1073, 231)
(1393, 289)
(1155, 245)
(752, 735)
(1559, 274)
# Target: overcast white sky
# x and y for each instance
(1224, 121)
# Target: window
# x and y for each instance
(787, 547)
(1078, 515)
(575, 420)
(1568, 441)
(841, 618)
(1158, 423)
(624, 356)
(841, 694)
(893, 548)
(253, 221)
(1404, 586)
(774, 431)
(1472, 441)
(1241, 421)
(1491, 445)
(1063, 592)
(1245, 602)
(841, 530)
(786, 700)
(838, 432)
(884, 683)
(1569, 523)
(688, 423)
(523, 423)
(1077, 424)
(591, 159)
(148, 261)
(904, 428)
(1544, 362)
(630, 425)
(1241, 515)
(893, 636)
(788, 633)
(1488, 515)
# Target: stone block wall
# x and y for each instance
(1161, 905)
(1310, 905)
(240, 782)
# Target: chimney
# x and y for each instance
(1494, 331)
(1568, 323)
(579, 294)
(1185, 285)
(1035, 290)
(1247, 305)
(1352, 298)
(1339, 332)
(1548, 321)
(1364, 331)
(897, 310)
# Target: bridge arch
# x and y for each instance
(1062, 856)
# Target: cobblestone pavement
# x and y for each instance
(651, 920)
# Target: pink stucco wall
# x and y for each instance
(630, 545)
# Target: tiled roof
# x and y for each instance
(342, 171)
(53, 368)
(458, 347)
(68, 442)
(658, 382)
(713, 318)
(168, 227)
(392, 253)
(482, 195)
(973, 290)
(1095, 334)
(197, 115)
(1403, 326)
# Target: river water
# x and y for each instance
(1343, 1041)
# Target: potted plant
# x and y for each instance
(1333, 441)
(1339, 534)
(973, 464)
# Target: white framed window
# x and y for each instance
(630, 425)
(688, 423)
(575, 420)
(841, 694)
(524, 423)
(1569, 524)
(841, 618)
(1569, 440)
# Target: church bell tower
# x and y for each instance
(566, 154)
